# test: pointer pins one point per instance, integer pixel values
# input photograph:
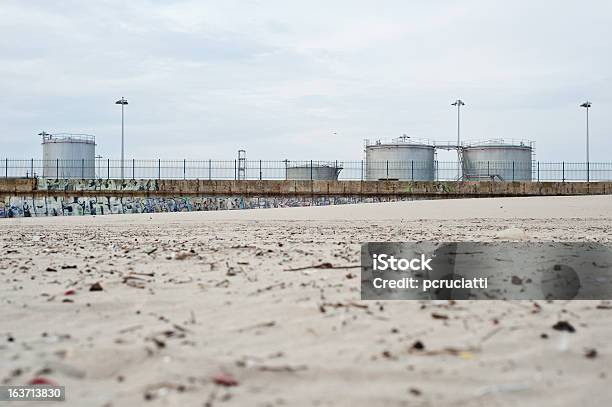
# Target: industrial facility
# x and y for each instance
(400, 159)
(497, 159)
(408, 159)
(68, 155)
(317, 171)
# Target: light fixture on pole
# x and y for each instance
(123, 101)
(458, 103)
(587, 105)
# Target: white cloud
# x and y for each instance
(279, 78)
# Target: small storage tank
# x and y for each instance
(401, 159)
(324, 172)
(498, 160)
(67, 155)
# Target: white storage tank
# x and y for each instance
(498, 160)
(402, 159)
(315, 171)
(67, 155)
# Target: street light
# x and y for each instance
(123, 101)
(458, 103)
(587, 106)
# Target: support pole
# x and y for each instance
(563, 171)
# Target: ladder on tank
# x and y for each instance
(241, 164)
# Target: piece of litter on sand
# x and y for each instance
(38, 380)
(564, 341)
(224, 379)
(324, 266)
(150, 250)
(512, 233)
(564, 326)
(96, 287)
(503, 388)
(282, 369)
(267, 324)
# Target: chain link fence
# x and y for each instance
(306, 169)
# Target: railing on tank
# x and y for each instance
(103, 168)
(68, 137)
(499, 142)
(408, 140)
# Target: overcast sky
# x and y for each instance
(304, 79)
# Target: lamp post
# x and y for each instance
(123, 101)
(458, 103)
(587, 105)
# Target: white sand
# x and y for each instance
(231, 306)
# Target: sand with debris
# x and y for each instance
(222, 309)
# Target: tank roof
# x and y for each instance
(402, 141)
(504, 143)
(304, 164)
(67, 138)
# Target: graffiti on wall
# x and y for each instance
(62, 205)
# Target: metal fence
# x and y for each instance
(277, 170)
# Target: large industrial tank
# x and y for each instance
(67, 155)
(324, 172)
(498, 159)
(401, 159)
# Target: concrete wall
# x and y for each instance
(50, 197)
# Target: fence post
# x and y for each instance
(209, 169)
(336, 170)
(133, 168)
(311, 170)
(435, 169)
(159, 168)
(412, 170)
(387, 170)
(56, 169)
(6, 168)
(108, 168)
(235, 170)
(362, 170)
(512, 171)
(32, 167)
(538, 171)
(488, 169)
(563, 171)
(260, 173)
(82, 168)
(588, 172)
(184, 168)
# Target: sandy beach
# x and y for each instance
(262, 308)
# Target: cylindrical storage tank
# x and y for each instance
(69, 156)
(400, 160)
(313, 172)
(498, 160)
